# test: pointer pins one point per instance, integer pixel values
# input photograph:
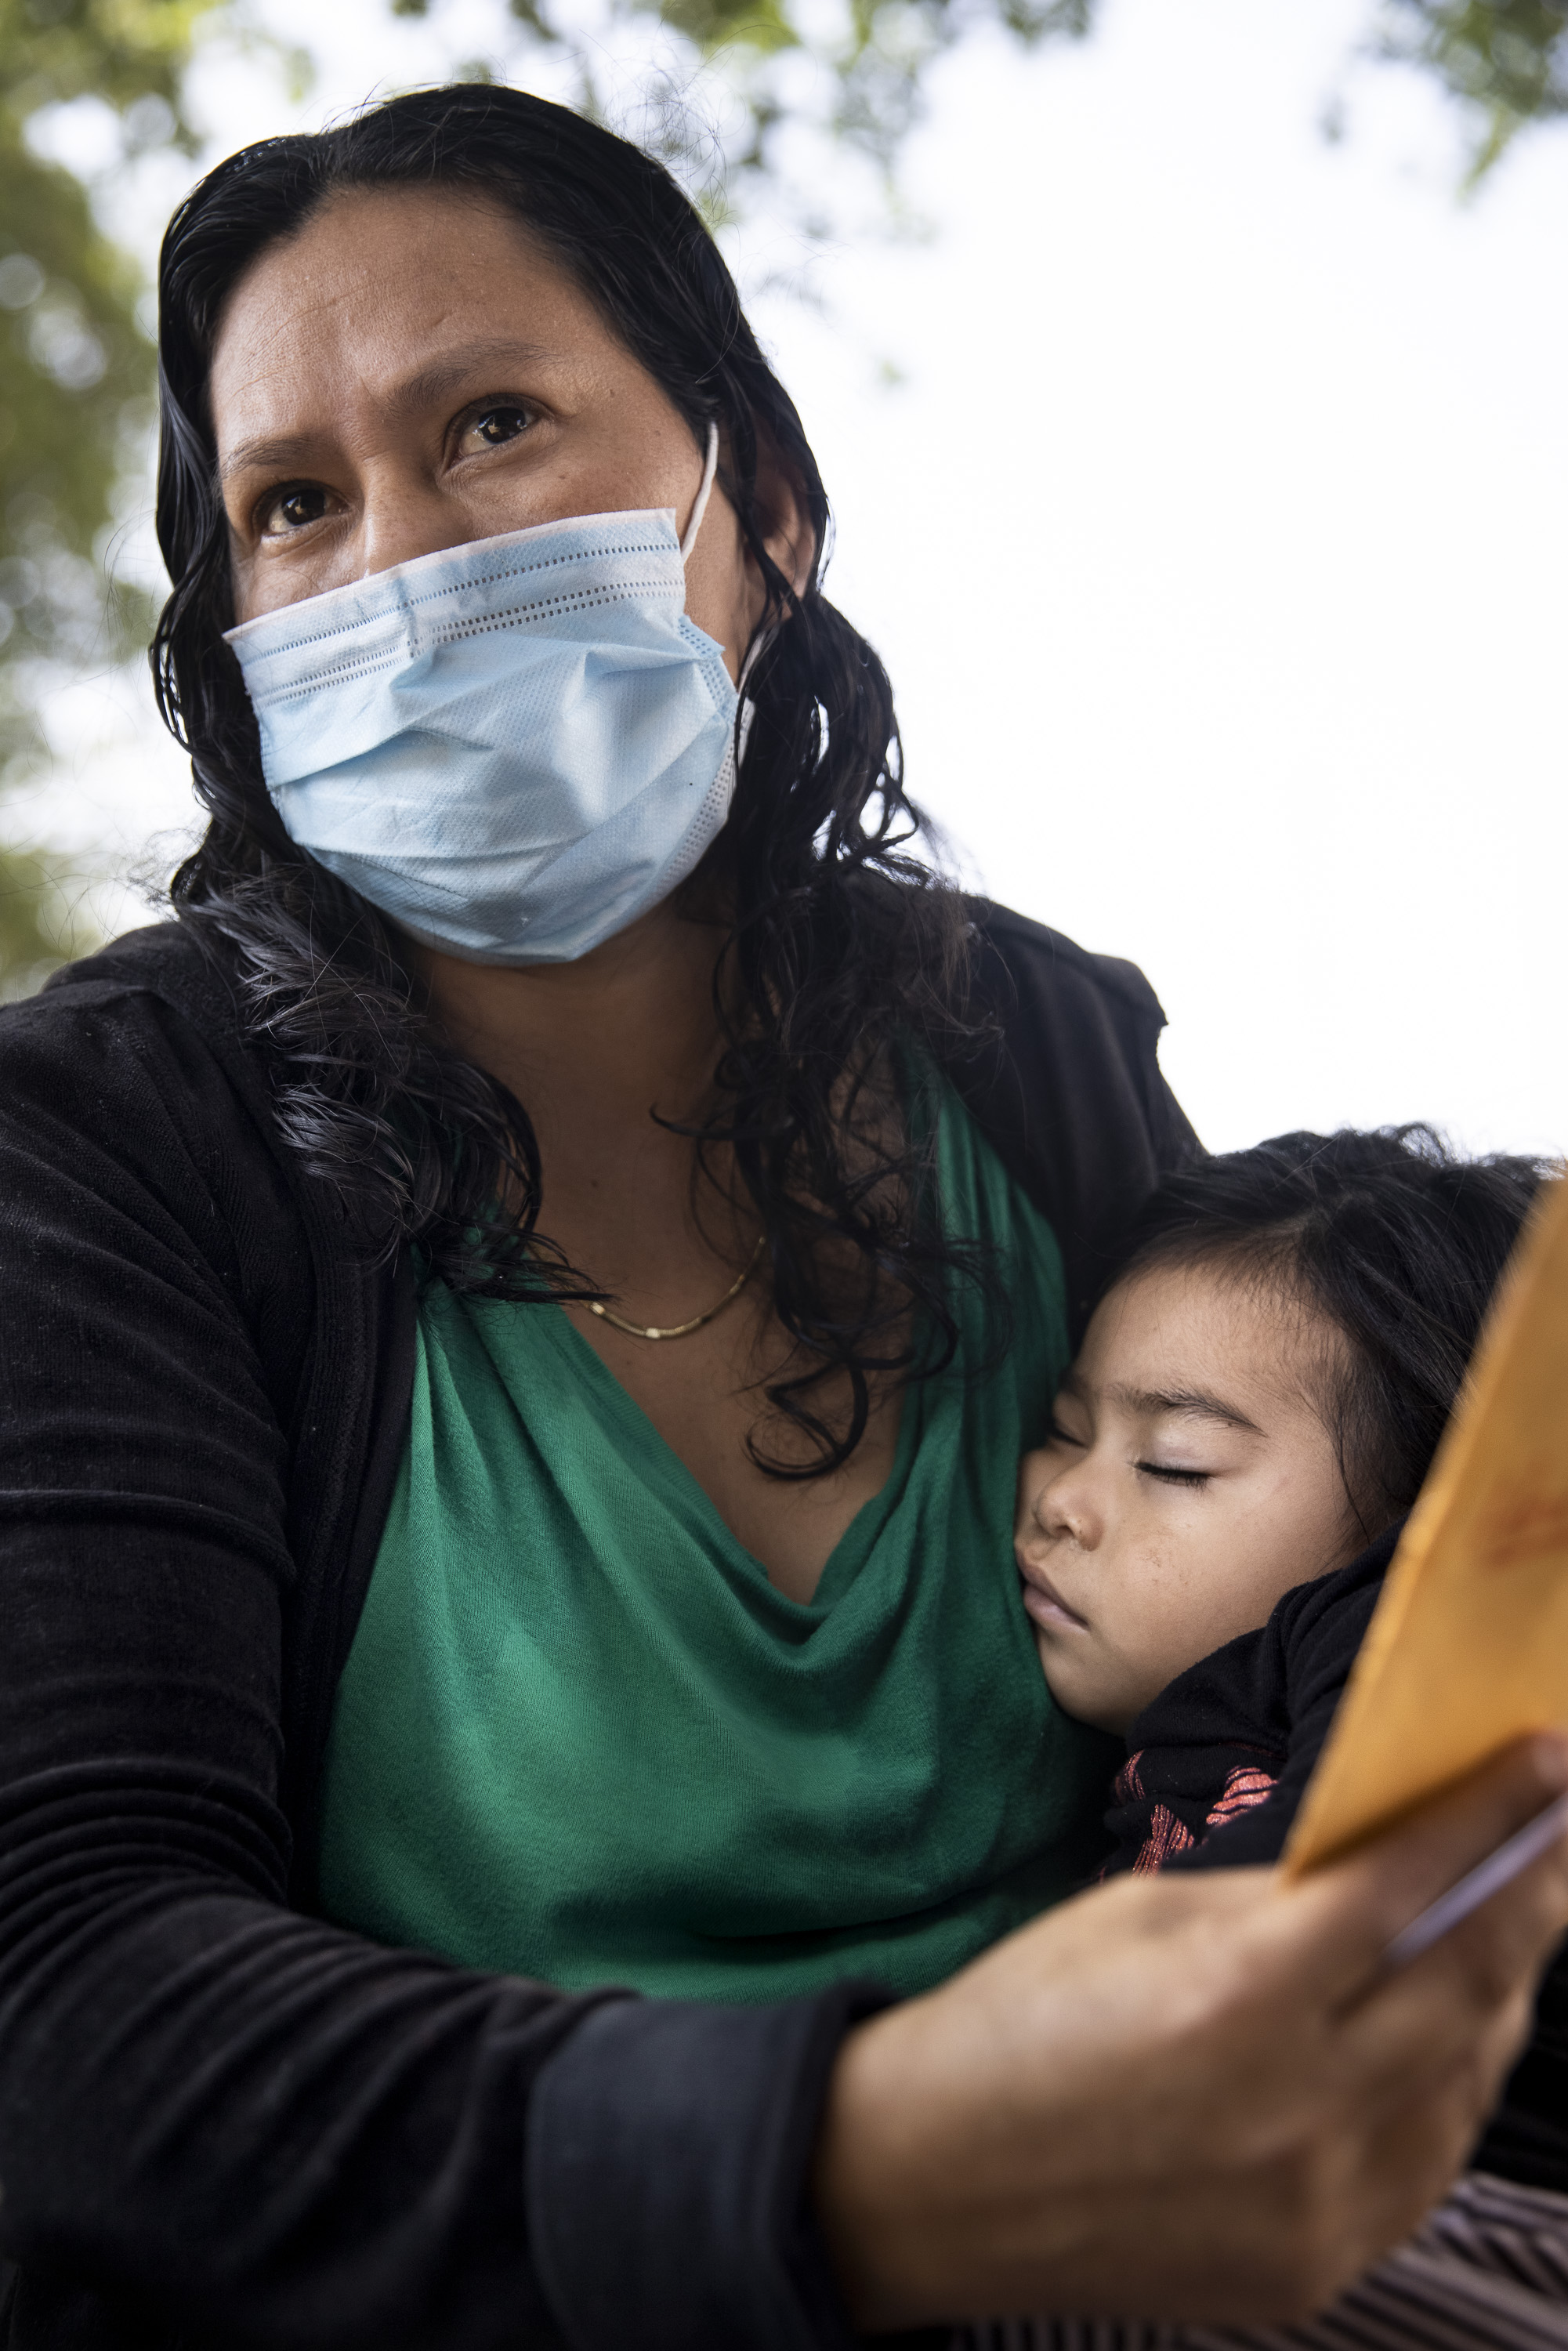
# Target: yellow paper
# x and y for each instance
(1468, 1648)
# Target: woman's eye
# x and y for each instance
(498, 425)
(1172, 1477)
(291, 509)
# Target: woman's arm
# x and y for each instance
(1192, 2096)
(232, 2118)
(222, 2120)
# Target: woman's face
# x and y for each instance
(414, 370)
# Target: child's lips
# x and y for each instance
(1044, 1604)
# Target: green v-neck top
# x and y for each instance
(581, 1738)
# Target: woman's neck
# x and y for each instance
(627, 1028)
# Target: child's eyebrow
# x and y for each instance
(1192, 1402)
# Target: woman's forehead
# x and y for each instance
(382, 284)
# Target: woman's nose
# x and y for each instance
(404, 516)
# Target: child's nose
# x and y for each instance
(1065, 1506)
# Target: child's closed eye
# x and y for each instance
(1172, 1477)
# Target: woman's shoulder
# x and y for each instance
(1030, 957)
(163, 964)
(134, 981)
(126, 1082)
(1063, 1078)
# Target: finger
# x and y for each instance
(1475, 1889)
(1388, 2160)
(1455, 2020)
(1354, 1907)
(1517, 1926)
(1486, 1968)
(1407, 2166)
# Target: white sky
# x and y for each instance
(1213, 539)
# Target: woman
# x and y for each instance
(509, 1351)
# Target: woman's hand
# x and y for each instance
(1190, 2096)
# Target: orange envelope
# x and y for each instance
(1468, 1648)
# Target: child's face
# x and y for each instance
(1187, 1484)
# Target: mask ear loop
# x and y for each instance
(710, 466)
(746, 709)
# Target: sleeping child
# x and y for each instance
(1203, 1533)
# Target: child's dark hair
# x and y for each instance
(1393, 1239)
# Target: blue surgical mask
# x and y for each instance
(513, 747)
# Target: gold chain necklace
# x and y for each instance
(681, 1330)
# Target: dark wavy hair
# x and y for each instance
(1394, 1237)
(841, 950)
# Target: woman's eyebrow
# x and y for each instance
(442, 375)
(277, 451)
(1194, 1403)
(273, 453)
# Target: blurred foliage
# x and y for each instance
(1505, 60)
(77, 383)
(42, 921)
(77, 373)
(875, 60)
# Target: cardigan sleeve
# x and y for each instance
(222, 2119)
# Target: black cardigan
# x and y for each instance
(222, 2121)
